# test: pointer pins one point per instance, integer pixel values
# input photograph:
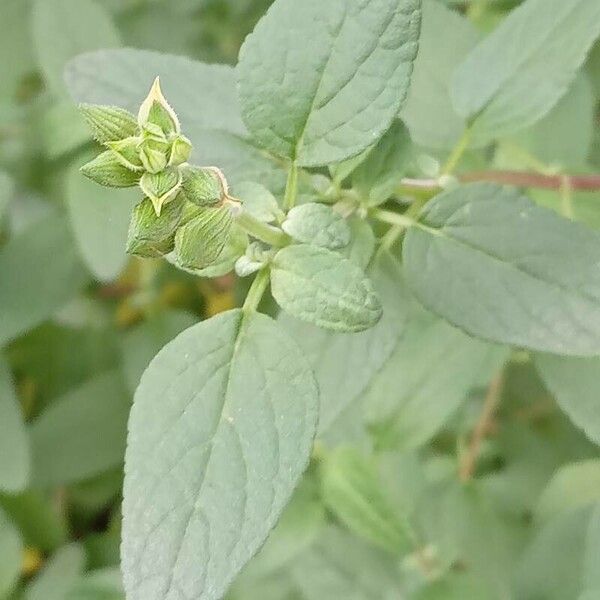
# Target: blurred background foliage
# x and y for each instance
(90, 320)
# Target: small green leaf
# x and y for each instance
(81, 434)
(59, 576)
(321, 287)
(109, 123)
(127, 152)
(14, 441)
(491, 262)
(220, 432)
(424, 382)
(199, 242)
(362, 242)
(11, 550)
(515, 76)
(161, 187)
(106, 169)
(151, 236)
(181, 149)
(335, 96)
(575, 383)
(40, 271)
(258, 201)
(203, 185)
(318, 225)
(378, 175)
(573, 486)
(352, 490)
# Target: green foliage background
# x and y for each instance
(80, 321)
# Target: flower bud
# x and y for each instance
(109, 123)
(155, 110)
(127, 153)
(151, 236)
(204, 185)
(199, 243)
(107, 170)
(181, 148)
(161, 187)
(153, 155)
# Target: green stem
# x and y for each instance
(392, 218)
(256, 291)
(566, 197)
(261, 231)
(291, 188)
(457, 152)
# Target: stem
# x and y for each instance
(392, 218)
(566, 195)
(581, 183)
(256, 291)
(457, 152)
(291, 188)
(492, 399)
(261, 231)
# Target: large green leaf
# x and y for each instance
(320, 82)
(11, 548)
(519, 72)
(428, 113)
(591, 566)
(344, 364)
(220, 431)
(39, 271)
(14, 443)
(425, 380)
(64, 28)
(575, 383)
(81, 434)
(203, 96)
(496, 265)
(321, 287)
(100, 219)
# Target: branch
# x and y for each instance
(469, 459)
(577, 183)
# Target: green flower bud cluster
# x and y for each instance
(186, 209)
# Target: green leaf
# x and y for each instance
(428, 113)
(362, 243)
(317, 225)
(575, 383)
(378, 176)
(62, 130)
(59, 575)
(344, 364)
(63, 29)
(11, 549)
(152, 236)
(109, 123)
(258, 201)
(161, 187)
(340, 566)
(199, 243)
(591, 567)
(100, 219)
(519, 72)
(121, 78)
(496, 265)
(14, 443)
(102, 584)
(6, 190)
(107, 170)
(141, 344)
(81, 434)
(327, 100)
(572, 487)
(353, 492)
(321, 287)
(40, 271)
(426, 379)
(220, 431)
